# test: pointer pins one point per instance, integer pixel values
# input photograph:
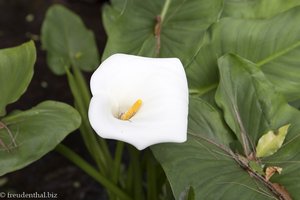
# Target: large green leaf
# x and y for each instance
(256, 8)
(16, 71)
(244, 109)
(67, 41)
(203, 164)
(252, 107)
(36, 132)
(211, 162)
(273, 44)
(250, 103)
(133, 27)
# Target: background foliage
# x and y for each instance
(241, 61)
(235, 97)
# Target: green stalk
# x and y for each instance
(137, 175)
(117, 165)
(86, 131)
(86, 96)
(117, 161)
(83, 88)
(86, 167)
(129, 178)
(151, 177)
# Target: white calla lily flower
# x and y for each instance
(138, 100)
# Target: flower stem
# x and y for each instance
(84, 91)
(86, 96)
(117, 161)
(137, 175)
(86, 131)
(86, 167)
(151, 177)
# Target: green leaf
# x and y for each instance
(250, 101)
(273, 44)
(34, 132)
(270, 142)
(202, 72)
(204, 164)
(212, 174)
(207, 161)
(203, 115)
(67, 41)
(111, 12)
(16, 71)
(208, 170)
(245, 97)
(200, 159)
(256, 8)
(133, 27)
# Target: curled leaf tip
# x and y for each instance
(270, 171)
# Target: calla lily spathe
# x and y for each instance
(157, 85)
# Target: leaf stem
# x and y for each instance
(165, 10)
(86, 167)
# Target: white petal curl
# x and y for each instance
(161, 85)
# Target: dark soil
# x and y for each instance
(52, 173)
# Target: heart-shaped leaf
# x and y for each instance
(28, 135)
(203, 163)
(273, 44)
(244, 113)
(210, 162)
(16, 71)
(67, 41)
(251, 107)
(158, 28)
